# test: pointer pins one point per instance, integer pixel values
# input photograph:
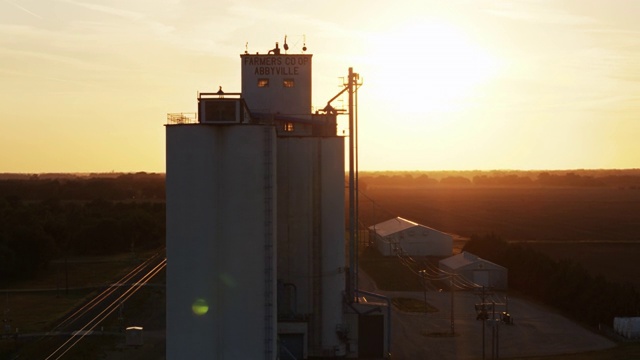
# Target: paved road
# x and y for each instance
(536, 330)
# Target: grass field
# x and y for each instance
(617, 262)
(35, 304)
(516, 213)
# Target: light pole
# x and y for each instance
(484, 316)
(452, 317)
(423, 274)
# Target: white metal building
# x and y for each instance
(402, 236)
(255, 220)
(629, 327)
(477, 270)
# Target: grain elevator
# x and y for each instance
(255, 186)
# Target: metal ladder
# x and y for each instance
(268, 242)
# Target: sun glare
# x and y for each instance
(426, 67)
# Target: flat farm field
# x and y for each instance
(598, 227)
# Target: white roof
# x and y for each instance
(398, 224)
(393, 226)
(460, 260)
(463, 259)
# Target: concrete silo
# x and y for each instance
(311, 237)
(221, 242)
(256, 220)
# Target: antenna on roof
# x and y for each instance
(304, 43)
(246, 47)
(285, 46)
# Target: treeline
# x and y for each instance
(139, 186)
(580, 178)
(46, 219)
(564, 284)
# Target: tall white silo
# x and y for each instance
(333, 238)
(311, 249)
(221, 289)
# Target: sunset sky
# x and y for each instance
(85, 85)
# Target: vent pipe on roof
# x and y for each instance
(275, 51)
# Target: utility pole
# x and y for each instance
(424, 288)
(6, 320)
(352, 87)
(484, 311)
(453, 331)
(498, 340)
(493, 330)
(352, 191)
(66, 273)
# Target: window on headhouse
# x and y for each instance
(288, 127)
(288, 83)
(263, 82)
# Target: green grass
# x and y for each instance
(388, 272)
(36, 311)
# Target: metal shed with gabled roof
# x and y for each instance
(400, 236)
(477, 270)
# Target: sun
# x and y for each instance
(426, 66)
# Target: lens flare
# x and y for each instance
(200, 307)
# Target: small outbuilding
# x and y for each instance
(477, 270)
(400, 236)
(629, 327)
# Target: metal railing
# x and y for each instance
(182, 118)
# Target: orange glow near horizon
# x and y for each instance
(485, 84)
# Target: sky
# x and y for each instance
(86, 85)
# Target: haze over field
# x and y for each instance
(461, 84)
